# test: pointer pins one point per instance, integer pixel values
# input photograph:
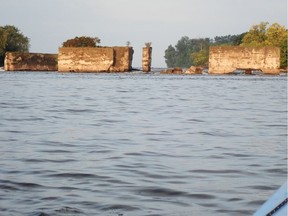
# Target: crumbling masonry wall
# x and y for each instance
(226, 59)
(19, 61)
(88, 59)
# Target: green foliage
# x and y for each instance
(233, 40)
(82, 42)
(180, 55)
(12, 40)
(183, 52)
(277, 35)
(170, 56)
(256, 35)
(274, 35)
(201, 58)
(284, 53)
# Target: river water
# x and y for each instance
(140, 145)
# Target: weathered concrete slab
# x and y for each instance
(102, 59)
(123, 57)
(226, 59)
(19, 61)
(71, 59)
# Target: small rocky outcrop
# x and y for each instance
(194, 70)
(176, 70)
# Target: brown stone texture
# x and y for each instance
(226, 59)
(194, 70)
(19, 61)
(71, 59)
(146, 59)
(170, 71)
(123, 57)
(100, 59)
(176, 70)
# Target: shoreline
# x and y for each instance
(156, 72)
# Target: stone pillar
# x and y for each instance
(146, 59)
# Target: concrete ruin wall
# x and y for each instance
(146, 59)
(88, 59)
(226, 59)
(123, 57)
(19, 61)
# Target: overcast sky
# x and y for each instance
(48, 23)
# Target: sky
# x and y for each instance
(48, 23)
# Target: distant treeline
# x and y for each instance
(188, 52)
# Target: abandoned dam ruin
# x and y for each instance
(78, 59)
(72, 59)
(222, 60)
(226, 59)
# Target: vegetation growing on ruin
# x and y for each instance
(12, 40)
(82, 41)
(195, 52)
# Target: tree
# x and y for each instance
(256, 35)
(180, 55)
(200, 58)
(275, 35)
(200, 54)
(82, 41)
(12, 40)
(283, 53)
(237, 39)
(184, 48)
(170, 56)
(234, 40)
(97, 41)
(262, 35)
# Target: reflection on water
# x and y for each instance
(134, 144)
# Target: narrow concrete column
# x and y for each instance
(7, 61)
(146, 59)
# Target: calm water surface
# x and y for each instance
(140, 145)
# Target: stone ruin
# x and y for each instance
(226, 59)
(146, 59)
(88, 59)
(21, 61)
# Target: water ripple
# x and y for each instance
(136, 144)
